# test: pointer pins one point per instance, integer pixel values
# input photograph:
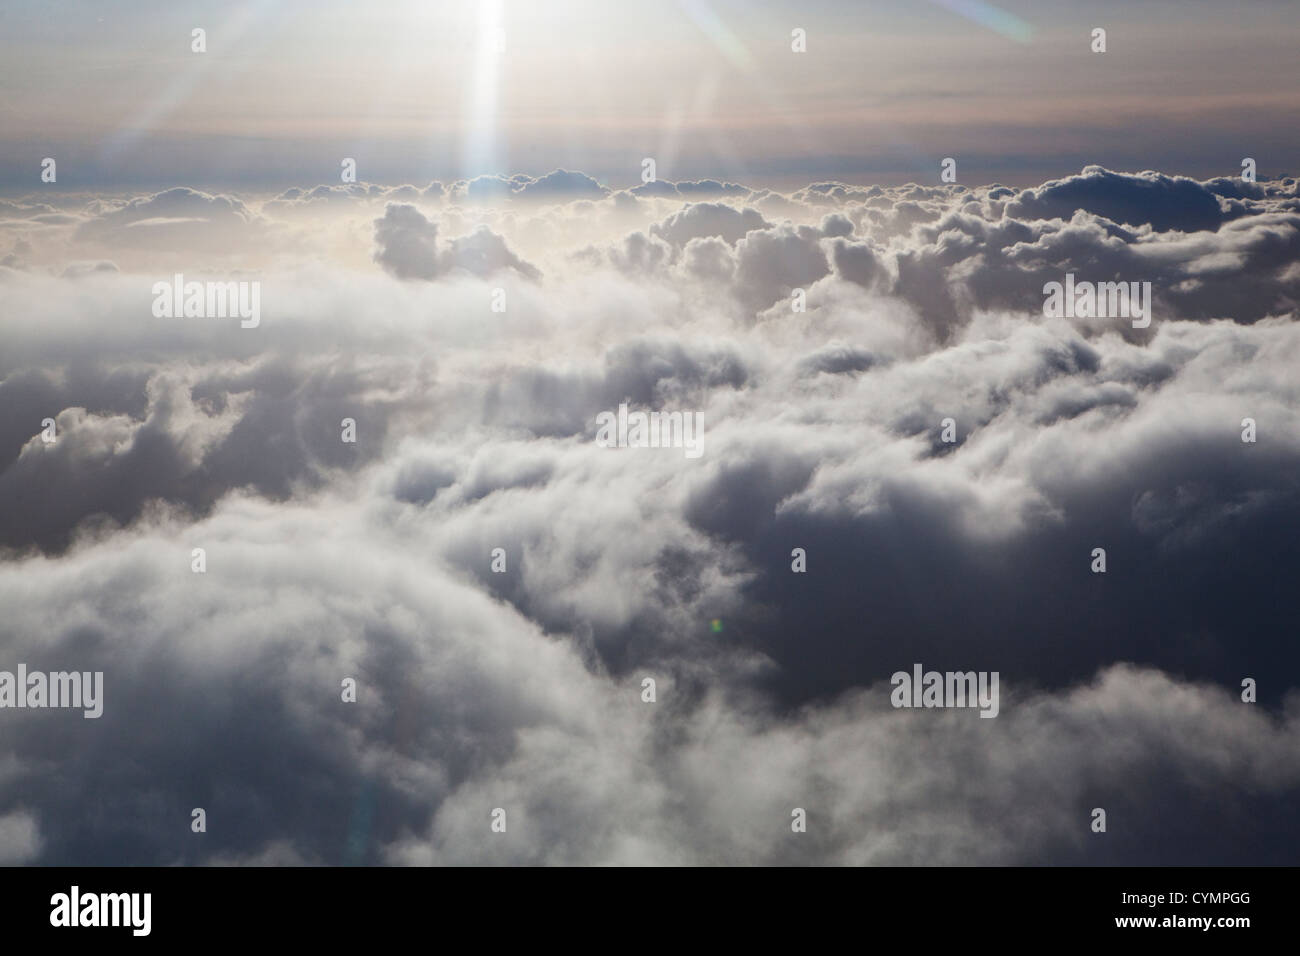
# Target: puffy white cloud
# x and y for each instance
(704, 220)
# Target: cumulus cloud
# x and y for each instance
(1164, 202)
(178, 216)
(562, 185)
(407, 248)
(704, 220)
(691, 189)
(557, 186)
(408, 243)
(1210, 250)
(822, 431)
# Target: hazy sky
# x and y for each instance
(418, 90)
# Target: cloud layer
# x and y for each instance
(823, 336)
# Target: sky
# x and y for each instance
(361, 564)
(421, 90)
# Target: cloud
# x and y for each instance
(482, 253)
(407, 248)
(1164, 202)
(822, 431)
(557, 186)
(773, 262)
(76, 269)
(408, 243)
(178, 216)
(24, 210)
(691, 189)
(297, 199)
(562, 185)
(20, 838)
(703, 220)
